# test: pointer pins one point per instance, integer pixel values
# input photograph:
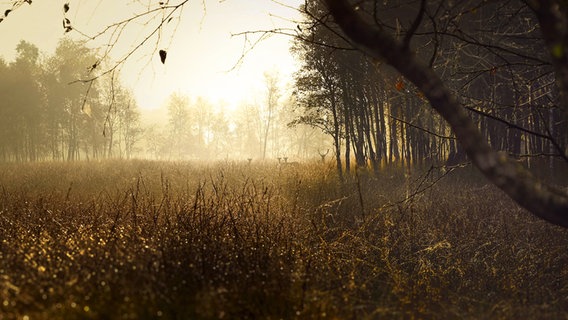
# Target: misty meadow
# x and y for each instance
(144, 239)
(369, 160)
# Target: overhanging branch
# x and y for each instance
(544, 201)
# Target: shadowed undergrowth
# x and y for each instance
(145, 240)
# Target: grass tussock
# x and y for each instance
(146, 240)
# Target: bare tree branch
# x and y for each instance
(415, 24)
(422, 129)
(544, 201)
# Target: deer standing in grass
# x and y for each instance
(322, 155)
(285, 163)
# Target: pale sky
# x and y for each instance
(200, 54)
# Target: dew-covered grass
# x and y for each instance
(151, 240)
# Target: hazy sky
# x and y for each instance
(200, 53)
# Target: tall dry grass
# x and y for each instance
(146, 240)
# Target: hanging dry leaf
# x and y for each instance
(163, 55)
(399, 85)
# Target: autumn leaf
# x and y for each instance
(66, 7)
(163, 55)
(7, 12)
(399, 85)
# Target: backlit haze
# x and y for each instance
(202, 53)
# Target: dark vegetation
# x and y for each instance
(145, 240)
(473, 64)
(488, 54)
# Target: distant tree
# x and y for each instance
(201, 123)
(46, 113)
(122, 128)
(248, 127)
(23, 104)
(271, 104)
(179, 126)
(221, 143)
(130, 128)
(299, 139)
(4, 112)
(156, 141)
(66, 103)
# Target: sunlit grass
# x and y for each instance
(149, 240)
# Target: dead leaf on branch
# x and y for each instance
(163, 55)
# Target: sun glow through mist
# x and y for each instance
(205, 56)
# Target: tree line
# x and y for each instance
(43, 116)
(490, 54)
(400, 48)
(51, 110)
(258, 130)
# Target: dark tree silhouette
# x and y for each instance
(542, 200)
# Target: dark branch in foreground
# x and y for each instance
(544, 201)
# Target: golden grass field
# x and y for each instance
(180, 240)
